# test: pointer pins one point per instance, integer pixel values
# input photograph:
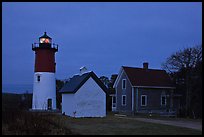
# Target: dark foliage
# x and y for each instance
(28, 123)
(17, 120)
(59, 85)
(111, 90)
(185, 68)
(105, 80)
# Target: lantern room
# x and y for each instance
(45, 40)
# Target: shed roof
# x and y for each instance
(78, 80)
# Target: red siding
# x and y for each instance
(45, 60)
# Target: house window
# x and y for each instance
(123, 100)
(163, 100)
(143, 100)
(124, 84)
(38, 78)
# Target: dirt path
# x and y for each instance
(186, 124)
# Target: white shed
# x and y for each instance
(84, 96)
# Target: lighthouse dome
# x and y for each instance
(45, 39)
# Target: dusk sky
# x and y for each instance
(100, 36)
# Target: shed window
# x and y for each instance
(143, 100)
(124, 84)
(123, 100)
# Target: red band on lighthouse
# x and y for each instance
(45, 60)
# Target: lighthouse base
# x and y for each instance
(44, 91)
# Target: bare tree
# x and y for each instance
(186, 60)
(105, 80)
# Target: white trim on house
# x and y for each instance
(114, 104)
(153, 87)
(123, 84)
(125, 100)
(116, 98)
(145, 100)
(118, 77)
(128, 78)
(137, 105)
(133, 98)
(161, 100)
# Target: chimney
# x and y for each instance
(145, 65)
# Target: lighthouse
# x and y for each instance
(44, 84)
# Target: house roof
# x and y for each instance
(78, 80)
(148, 77)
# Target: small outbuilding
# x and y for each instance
(84, 95)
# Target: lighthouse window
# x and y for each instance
(44, 40)
(47, 41)
(38, 78)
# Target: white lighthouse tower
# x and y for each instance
(44, 84)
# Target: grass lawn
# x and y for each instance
(114, 126)
(18, 121)
(156, 116)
